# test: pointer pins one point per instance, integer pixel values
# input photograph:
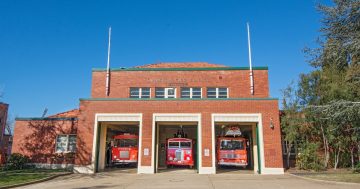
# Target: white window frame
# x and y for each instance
(166, 92)
(217, 91)
(67, 143)
(191, 91)
(140, 91)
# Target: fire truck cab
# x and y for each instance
(232, 149)
(180, 151)
(125, 149)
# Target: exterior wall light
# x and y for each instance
(271, 124)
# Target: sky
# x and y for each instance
(48, 48)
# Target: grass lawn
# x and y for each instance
(26, 175)
(340, 177)
(18, 178)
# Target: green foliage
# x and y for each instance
(357, 168)
(17, 161)
(329, 96)
(307, 157)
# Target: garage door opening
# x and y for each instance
(176, 147)
(234, 147)
(118, 147)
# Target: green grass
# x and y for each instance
(12, 177)
(34, 170)
(339, 177)
(7, 179)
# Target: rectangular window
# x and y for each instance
(139, 92)
(187, 92)
(173, 144)
(185, 144)
(213, 92)
(165, 92)
(65, 143)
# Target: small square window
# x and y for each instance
(65, 143)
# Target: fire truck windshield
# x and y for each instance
(185, 144)
(126, 143)
(231, 145)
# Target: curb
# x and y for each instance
(35, 181)
(324, 181)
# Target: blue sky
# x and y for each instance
(48, 48)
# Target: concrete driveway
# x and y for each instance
(184, 180)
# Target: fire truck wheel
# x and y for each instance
(191, 166)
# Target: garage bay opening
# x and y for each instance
(176, 147)
(118, 147)
(234, 143)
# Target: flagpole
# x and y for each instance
(250, 64)
(108, 67)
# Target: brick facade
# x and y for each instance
(203, 75)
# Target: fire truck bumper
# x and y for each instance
(238, 164)
(180, 163)
(117, 161)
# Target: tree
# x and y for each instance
(291, 120)
(330, 94)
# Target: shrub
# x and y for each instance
(357, 168)
(307, 157)
(17, 161)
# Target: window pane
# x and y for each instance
(196, 92)
(134, 92)
(185, 144)
(211, 89)
(222, 90)
(61, 142)
(145, 92)
(159, 92)
(222, 93)
(185, 92)
(211, 92)
(72, 143)
(173, 144)
(170, 92)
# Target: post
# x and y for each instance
(251, 70)
(108, 67)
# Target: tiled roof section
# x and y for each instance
(67, 114)
(181, 65)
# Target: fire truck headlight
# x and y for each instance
(115, 156)
(170, 158)
(187, 158)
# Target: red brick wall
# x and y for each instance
(268, 109)
(237, 81)
(37, 139)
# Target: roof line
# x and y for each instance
(171, 99)
(181, 69)
(46, 119)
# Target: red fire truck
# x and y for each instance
(231, 149)
(125, 149)
(180, 151)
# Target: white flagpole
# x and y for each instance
(251, 70)
(108, 67)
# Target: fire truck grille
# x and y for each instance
(228, 156)
(124, 154)
(178, 155)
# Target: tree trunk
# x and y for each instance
(352, 157)
(326, 147)
(288, 153)
(337, 157)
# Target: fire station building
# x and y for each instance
(155, 102)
